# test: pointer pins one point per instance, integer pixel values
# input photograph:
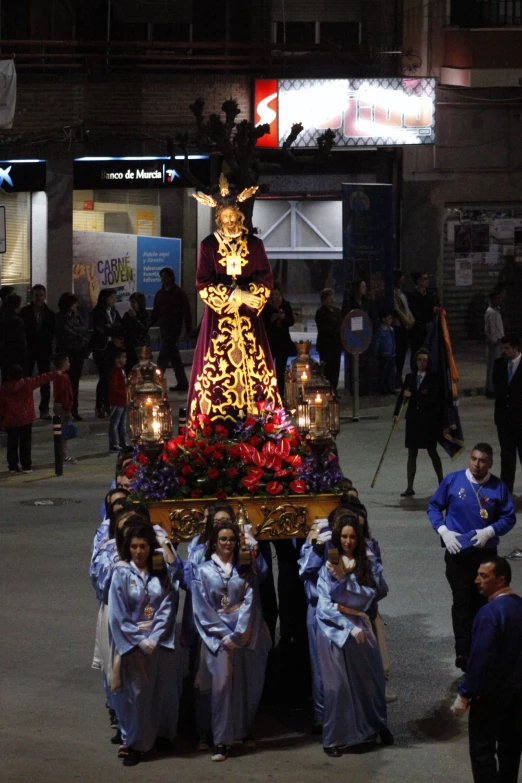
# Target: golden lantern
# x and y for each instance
(309, 394)
(150, 414)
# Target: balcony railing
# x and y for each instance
(169, 56)
(486, 13)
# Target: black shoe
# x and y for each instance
(100, 413)
(77, 417)
(180, 387)
(46, 416)
(333, 752)
(132, 758)
(162, 744)
(407, 493)
(461, 662)
(116, 740)
(386, 737)
(113, 719)
(220, 753)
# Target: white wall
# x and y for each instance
(39, 273)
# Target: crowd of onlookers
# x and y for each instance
(35, 339)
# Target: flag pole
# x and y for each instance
(390, 436)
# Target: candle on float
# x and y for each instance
(318, 413)
(149, 415)
(304, 378)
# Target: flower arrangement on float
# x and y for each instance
(263, 455)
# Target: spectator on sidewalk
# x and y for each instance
(422, 302)
(492, 686)
(507, 383)
(63, 399)
(278, 317)
(171, 310)
(494, 330)
(384, 350)
(135, 325)
(71, 339)
(402, 323)
(118, 403)
(17, 415)
(39, 319)
(329, 347)
(105, 339)
(13, 342)
(5, 291)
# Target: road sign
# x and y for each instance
(356, 331)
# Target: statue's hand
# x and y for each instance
(250, 300)
(234, 303)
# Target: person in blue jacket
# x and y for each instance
(384, 351)
(492, 686)
(470, 510)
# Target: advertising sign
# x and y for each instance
(132, 173)
(368, 240)
(363, 112)
(124, 262)
(22, 175)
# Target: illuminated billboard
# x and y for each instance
(362, 112)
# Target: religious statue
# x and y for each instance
(233, 368)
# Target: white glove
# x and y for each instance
(358, 634)
(336, 569)
(229, 644)
(147, 646)
(324, 537)
(169, 553)
(451, 539)
(250, 541)
(481, 537)
(321, 523)
(460, 706)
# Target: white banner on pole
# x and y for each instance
(7, 93)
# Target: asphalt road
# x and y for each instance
(54, 725)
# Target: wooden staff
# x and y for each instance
(388, 442)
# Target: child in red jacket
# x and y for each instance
(17, 415)
(63, 398)
(118, 403)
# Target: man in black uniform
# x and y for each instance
(39, 331)
(507, 384)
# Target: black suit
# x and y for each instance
(424, 412)
(39, 336)
(508, 418)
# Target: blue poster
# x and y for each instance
(368, 248)
(152, 255)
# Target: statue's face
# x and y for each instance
(230, 221)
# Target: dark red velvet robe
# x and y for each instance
(233, 367)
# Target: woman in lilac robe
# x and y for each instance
(236, 640)
(233, 366)
(351, 667)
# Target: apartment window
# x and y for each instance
(343, 35)
(295, 32)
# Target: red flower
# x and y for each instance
(199, 460)
(217, 456)
(250, 483)
(181, 481)
(283, 473)
(261, 405)
(172, 446)
(269, 427)
(269, 447)
(207, 432)
(202, 418)
(208, 450)
(221, 494)
(162, 458)
(233, 451)
(258, 458)
(142, 459)
(232, 472)
(131, 470)
(246, 452)
(283, 448)
(213, 473)
(298, 486)
(274, 462)
(201, 444)
(276, 419)
(196, 493)
(294, 460)
(292, 430)
(179, 439)
(186, 470)
(249, 422)
(221, 431)
(274, 488)
(254, 440)
(189, 444)
(256, 473)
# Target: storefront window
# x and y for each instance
(15, 263)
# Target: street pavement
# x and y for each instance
(54, 724)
